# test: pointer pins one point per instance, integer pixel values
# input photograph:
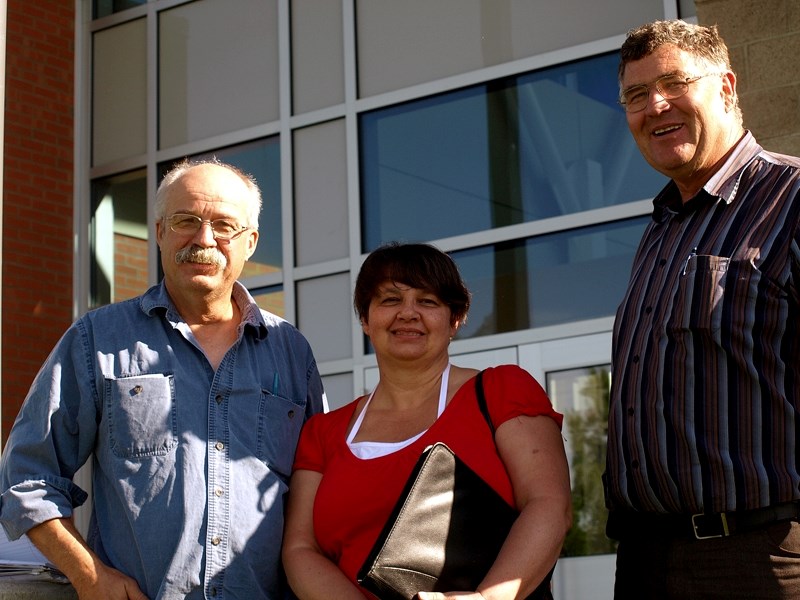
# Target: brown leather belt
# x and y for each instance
(624, 524)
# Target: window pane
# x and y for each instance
(502, 153)
(404, 43)
(118, 238)
(218, 68)
(582, 396)
(317, 55)
(261, 159)
(119, 92)
(103, 8)
(324, 315)
(271, 299)
(546, 280)
(320, 193)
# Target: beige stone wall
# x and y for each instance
(764, 40)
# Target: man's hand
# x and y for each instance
(108, 584)
(64, 546)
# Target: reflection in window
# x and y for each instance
(548, 279)
(582, 396)
(261, 159)
(118, 238)
(271, 299)
(524, 148)
(103, 8)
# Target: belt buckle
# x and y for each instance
(696, 526)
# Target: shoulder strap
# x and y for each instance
(482, 400)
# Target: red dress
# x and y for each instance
(355, 496)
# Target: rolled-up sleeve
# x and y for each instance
(53, 436)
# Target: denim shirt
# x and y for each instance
(190, 465)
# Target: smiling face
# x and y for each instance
(408, 323)
(198, 262)
(685, 138)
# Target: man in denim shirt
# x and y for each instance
(190, 400)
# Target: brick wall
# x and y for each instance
(37, 191)
(764, 39)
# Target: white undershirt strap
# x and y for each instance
(368, 449)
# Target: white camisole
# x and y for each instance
(366, 450)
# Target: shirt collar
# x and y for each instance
(157, 298)
(723, 184)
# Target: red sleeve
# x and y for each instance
(309, 454)
(511, 392)
(320, 435)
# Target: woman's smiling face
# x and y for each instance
(407, 322)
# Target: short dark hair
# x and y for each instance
(420, 266)
(704, 42)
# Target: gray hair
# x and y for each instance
(179, 170)
(703, 42)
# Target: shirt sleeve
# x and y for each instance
(53, 436)
(310, 453)
(511, 392)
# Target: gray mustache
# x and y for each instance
(204, 256)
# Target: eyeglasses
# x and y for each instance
(223, 229)
(669, 87)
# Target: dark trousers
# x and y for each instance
(758, 564)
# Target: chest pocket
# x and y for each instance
(279, 424)
(709, 285)
(141, 415)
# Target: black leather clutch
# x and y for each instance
(444, 533)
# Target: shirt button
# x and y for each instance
(218, 398)
(662, 262)
(213, 591)
(636, 359)
(219, 446)
(215, 540)
(291, 414)
(218, 492)
(648, 310)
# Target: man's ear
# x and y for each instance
(252, 242)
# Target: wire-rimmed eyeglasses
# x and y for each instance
(185, 224)
(669, 87)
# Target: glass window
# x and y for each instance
(546, 280)
(271, 299)
(119, 92)
(261, 159)
(103, 8)
(405, 43)
(218, 68)
(544, 144)
(118, 238)
(582, 396)
(317, 55)
(324, 315)
(338, 389)
(320, 193)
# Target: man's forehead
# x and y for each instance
(211, 183)
(664, 60)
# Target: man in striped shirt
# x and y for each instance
(702, 469)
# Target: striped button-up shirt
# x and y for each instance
(706, 361)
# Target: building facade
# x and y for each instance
(487, 127)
